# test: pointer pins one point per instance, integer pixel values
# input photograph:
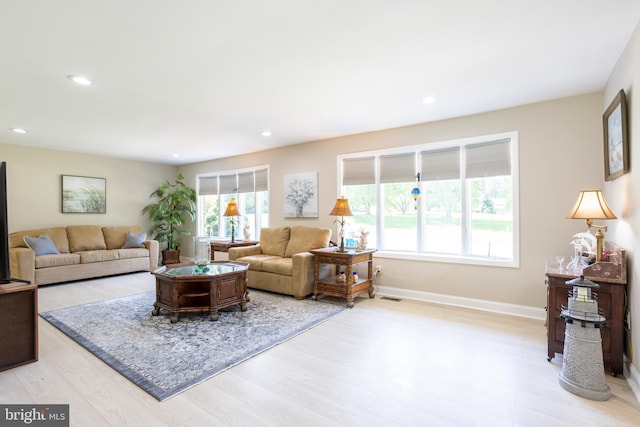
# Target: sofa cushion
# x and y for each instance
(133, 253)
(273, 241)
(282, 266)
(256, 262)
(87, 257)
(115, 237)
(59, 260)
(57, 234)
(134, 240)
(85, 238)
(42, 245)
(303, 239)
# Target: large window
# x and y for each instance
(467, 206)
(250, 188)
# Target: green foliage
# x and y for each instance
(174, 204)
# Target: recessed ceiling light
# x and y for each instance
(175, 155)
(19, 130)
(429, 99)
(81, 80)
(266, 134)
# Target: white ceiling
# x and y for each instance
(204, 78)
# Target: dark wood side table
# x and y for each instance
(18, 324)
(332, 285)
(612, 279)
(224, 245)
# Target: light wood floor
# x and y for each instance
(383, 363)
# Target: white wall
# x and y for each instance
(560, 154)
(623, 194)
(34, 187)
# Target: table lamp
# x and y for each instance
(232, 211)
(341, 209)
(592, 205)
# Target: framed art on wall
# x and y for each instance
(82, 194)
(301, 195)
(616, 138)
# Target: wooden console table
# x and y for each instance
(181, 288)
(225, 245)
(612, 278)
(18, 324)
(332, 285)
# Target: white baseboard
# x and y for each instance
(632, 376)
(477, 304)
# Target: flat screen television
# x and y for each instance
(5, 273)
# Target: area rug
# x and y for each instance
(165, 358)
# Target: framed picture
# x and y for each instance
(616, 138)
(82, 194)
(301, 195)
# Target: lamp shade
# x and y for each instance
(232, 208)
(341, 208)
(591, 205)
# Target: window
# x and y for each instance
(250, 188)
(467, 206)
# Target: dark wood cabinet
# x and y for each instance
(612, 279)
(18, 324)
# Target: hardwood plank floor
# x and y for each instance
(383, 363)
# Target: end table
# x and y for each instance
(347, 288)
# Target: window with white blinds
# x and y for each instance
(468, 200)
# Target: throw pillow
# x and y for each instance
(134, 240)
(42, 245)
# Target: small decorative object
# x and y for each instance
(246, 230)
(342, 277)
(341, 209)
(616, 138)
(362, 243)
(415, 193)
(582, 360)
(355, 276)
(232, 211)
(202, 253)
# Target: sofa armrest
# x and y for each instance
(154, 253)
(242, 251)
(302, 274)
(22, 262)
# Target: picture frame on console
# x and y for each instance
(83, 194)
(616, 138)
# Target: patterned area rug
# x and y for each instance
(166, 358)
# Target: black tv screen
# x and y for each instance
(5, 273)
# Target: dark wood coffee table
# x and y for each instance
(184, 288)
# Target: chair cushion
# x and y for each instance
(304, 238)
(45, 261)
(42, 245)
(282, 266)
(256, 262)
(87, 257)
(273, 241)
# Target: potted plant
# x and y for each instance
(174, 204)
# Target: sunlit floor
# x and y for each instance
(382, 363)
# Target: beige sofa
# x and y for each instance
(85, 251)
(281, 261)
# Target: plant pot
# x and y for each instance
(170, 256)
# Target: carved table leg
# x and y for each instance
(214, 315)
(174, 317)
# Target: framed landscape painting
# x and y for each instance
(616, 138)
(82, 194)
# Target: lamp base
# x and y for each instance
(341, 247)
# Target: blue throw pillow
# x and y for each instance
(134, 240)
(42, 245)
